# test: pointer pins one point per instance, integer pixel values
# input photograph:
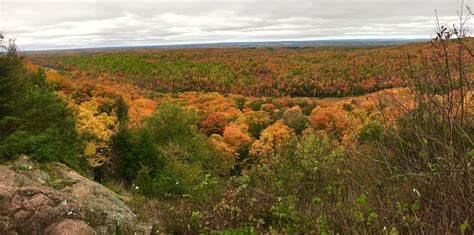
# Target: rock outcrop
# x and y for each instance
(53, 199)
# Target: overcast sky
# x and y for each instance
(40, 24)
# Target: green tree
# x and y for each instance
(33, 120)
(167, 155)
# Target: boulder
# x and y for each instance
(70, 227)
(53, 199)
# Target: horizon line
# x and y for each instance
(215, 43)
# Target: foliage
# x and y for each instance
(214, 123)
(33, 119)
(256, 121)
(167, 155)
(392, 162)
(372, 131)
(331, 71)
(317, 154)
(424, 159)
(389, 162)
(236, 135)
(331, 120)
(272, 139)
(96, 128)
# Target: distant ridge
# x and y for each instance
(270, 44)
(312, 43)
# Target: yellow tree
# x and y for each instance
(272, 139)
(233, 144)
(96, 128)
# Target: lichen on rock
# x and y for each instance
(32, 202)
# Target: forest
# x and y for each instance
(276, 72)
(328, 140)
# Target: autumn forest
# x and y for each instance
(374, 139)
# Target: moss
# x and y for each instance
(59, 184)
(56, 180)
(19, 167)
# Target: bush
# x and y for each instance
(279, 194)
(371, 132)
(425, 170)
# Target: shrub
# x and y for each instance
(424, 162)
(371, 132)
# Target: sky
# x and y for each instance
(58, 24)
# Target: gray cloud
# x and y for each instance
(43, 24)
